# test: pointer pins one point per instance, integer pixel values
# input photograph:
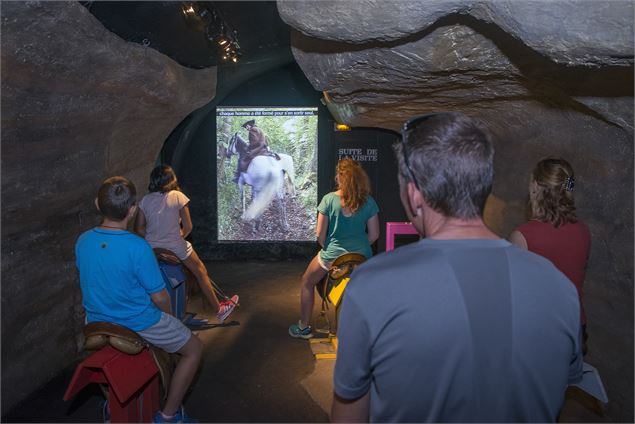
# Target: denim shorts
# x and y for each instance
(168, 334)
(325, 265)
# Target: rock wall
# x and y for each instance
(79, 104)
(549, 78)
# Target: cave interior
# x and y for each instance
(92, 89)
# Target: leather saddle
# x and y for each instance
(166, 256)
(100, 334)
(274, 154)
(338, 274)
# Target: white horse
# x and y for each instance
(238, 146)
(265, 175)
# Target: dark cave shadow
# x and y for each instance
(45, 404)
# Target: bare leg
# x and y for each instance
(313, 274)
(194, 264)
(183, 374)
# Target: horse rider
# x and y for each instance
(258, 145)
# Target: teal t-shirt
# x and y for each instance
(117, 273)
(346, 233)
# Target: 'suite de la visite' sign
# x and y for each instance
(360, 155)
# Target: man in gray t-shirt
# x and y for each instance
(461, 326)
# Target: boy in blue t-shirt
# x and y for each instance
(121, 283)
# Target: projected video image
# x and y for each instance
(267, 173)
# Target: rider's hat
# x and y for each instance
(251, 122)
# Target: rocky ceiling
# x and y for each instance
(412, 57)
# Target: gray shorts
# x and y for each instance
(169, 333)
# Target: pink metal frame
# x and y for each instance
(395, 228)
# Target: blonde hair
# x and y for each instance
(354, 184)
(551, 200)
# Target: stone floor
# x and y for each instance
(252, 371)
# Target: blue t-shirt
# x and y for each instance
(459, 331)
(346, 233)
(117, 273)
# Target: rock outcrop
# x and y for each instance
(78, 104)
(409, 57)
(549, 78)
(567, 31)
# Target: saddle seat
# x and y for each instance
(169, 257)
(337, 277)
(99, 334)
(273, 154)
(265, 154)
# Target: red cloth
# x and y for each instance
(567, 247)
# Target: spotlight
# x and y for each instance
(217, 30)
(188, 9)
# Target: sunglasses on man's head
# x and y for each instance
(409, 125)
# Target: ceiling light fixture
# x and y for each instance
(217, 30)
(188, 9)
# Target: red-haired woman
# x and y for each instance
(347, 223)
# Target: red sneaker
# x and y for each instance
(225, 309)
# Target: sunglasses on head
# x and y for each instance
(409, 125)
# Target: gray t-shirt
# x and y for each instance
(459, 330)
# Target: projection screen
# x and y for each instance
(273, 196)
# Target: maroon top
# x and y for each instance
(567, 247)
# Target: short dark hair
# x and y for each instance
(451, 156)
(115, 197)
(163, 179)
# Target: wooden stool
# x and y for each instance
(132, 381)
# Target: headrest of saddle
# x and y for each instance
(166, 256)
(344, 264)
(100, 334)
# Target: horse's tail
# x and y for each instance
(290, 172)
(264, 198)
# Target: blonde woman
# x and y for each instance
(553, 231)
(347, 222)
